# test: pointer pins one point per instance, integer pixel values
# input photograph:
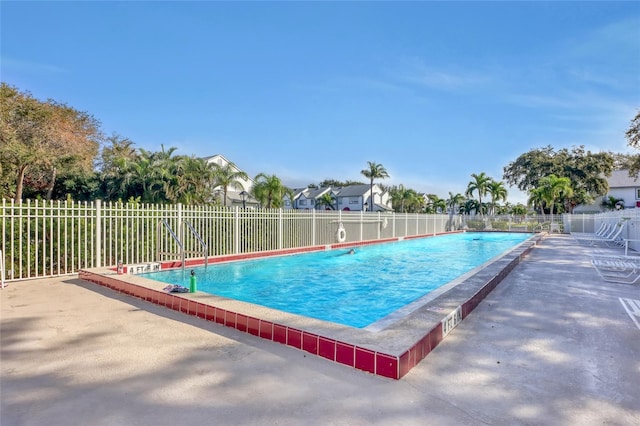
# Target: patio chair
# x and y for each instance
(613, 238)
(618, 269)
(600, 232)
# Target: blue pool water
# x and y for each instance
(351, 289)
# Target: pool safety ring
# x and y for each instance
(341, 234)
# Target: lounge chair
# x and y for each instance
(619, 269)
(613, 238)
(601, 232)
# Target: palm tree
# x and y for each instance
(191, 182)
(269, 190)
(479, 184)
(436, 203)
(452, 203)
(326, 200)
(519, 209)
(498, 192)
(227, 176)
(552, 188)
(401, 196)
(375, 171)
(612, 203)
(536, 199)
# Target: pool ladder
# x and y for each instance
(182, 252)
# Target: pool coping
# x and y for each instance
(390, 349)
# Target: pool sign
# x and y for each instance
(451, 321)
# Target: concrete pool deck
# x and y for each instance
(552, 344)
(390, 347)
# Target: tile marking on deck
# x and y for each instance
(633, 309)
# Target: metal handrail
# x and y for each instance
(205, 248)
(176, 239)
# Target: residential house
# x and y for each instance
(236, 196)
(622, 187)
(361, 198)
(308, 199)
(348, 198)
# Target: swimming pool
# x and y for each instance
(354, 290)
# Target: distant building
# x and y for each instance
(348, 198)
(235, 196)
(621, 186)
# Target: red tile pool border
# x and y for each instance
(362, 358)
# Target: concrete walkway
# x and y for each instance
(552, 345)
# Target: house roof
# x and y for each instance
(354, 190)
(221, 160)
(621, 179)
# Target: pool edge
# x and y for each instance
(385, 363)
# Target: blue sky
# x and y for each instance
(434, 91)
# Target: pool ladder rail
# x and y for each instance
(182, 252)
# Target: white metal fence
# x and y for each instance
(44, 239)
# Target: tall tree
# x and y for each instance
(537, 199)
(115, 163)
(43, 137)
(553, 188)
(480, 184)
(435, 204)
(633, 133)
(23, 132)
(453, 203)
(228, 176)
(633, 140)
(372, 172)
(586, 170)
(402, 197)
(269, 190)
(190, 184)
(327, 200)
(73, 139)
(498, 192)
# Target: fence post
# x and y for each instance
(280, 228)
(393, 225)
(236, 229)
(313, 227)
(434, 225)
(98, 254)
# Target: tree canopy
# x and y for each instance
(633, 140)
(51, 150)
(38, 139)
(586, 171)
